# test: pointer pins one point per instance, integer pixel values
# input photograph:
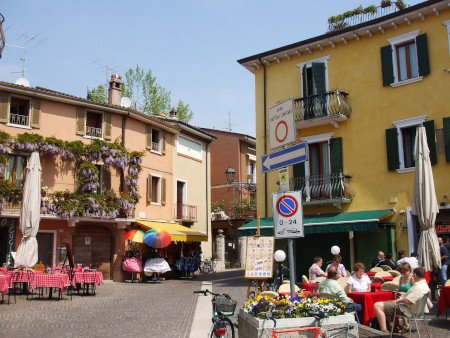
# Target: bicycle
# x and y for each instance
(339, 332)
(282, 274)
(207, 266)
(223, 307)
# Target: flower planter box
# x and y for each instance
(251, 327)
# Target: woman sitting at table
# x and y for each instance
(337, 259)
(359, 282)
(406, 278)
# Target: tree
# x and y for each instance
(98, 94)
(150, 97)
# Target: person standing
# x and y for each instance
(378, 259)
(444, 262)
(316, 269)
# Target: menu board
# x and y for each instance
(259, 259)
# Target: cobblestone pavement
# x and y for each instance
(133, 310)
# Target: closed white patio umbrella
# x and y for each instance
(425, 205)
(27, 253)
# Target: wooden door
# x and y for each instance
(180, 188)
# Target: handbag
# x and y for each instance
(132, 265)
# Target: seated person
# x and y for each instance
(359, 282)
(409, 301)
(412, 261)
(315, 269)
(406, 279)
(377, 259)
(387, 261)
(337, 259)
(331, 286)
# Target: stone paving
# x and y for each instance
(133, 310)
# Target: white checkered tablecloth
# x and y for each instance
(88, 277)
(47, 280)
(4, 284)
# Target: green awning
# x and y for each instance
(325, 223)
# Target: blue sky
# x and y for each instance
(190, 46)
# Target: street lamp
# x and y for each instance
(279, 256)
(230, 174)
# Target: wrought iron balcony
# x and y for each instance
(20, 120)
(324, 189)
(185, 212)
(331, 107)
(251, 178)
(94, 132)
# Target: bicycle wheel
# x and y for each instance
(222, 329)
(205, 268)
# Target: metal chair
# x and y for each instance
(385, 267)
(420, 315)
(394, 273)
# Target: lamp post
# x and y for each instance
(230, 174)
(279, 256)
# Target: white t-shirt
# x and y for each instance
(412, 261)
(359, 285)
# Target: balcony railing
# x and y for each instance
(251, 178)
(332, 105)
(363, 17)
(10, 207)
(324, 189)
(94, 132)
(20, 120)
(185, 212)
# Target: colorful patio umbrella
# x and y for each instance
(134, 235)
(157, 238)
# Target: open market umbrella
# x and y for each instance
(134, 235)
(27, 253)
(425, 205)
(157, 238)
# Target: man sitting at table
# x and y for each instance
(387, 261)
(330, 286)
(409, 301)
(377, 259)
(359, 282)
(315, 269)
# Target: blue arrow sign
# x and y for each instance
(284, 157)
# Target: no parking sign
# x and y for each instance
(288, 215)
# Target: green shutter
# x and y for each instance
(299, 169)
(387, 67)
(304, 82)
(336, 161)
(392, 149)
(318, 73)
(422, 54)
(446, 121)
(431, 140)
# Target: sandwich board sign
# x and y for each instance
(282, 124)
(288, 215)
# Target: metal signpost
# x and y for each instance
(288, 223)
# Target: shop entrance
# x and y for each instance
(92, 246)
(7, 239)
(45, 242)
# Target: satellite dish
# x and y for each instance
(22, 82)
(125, 102)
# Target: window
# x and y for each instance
(104, 178)
(189, 147)
(46, 247)
(447, 23)
(94, 123)
(400, 143)
(156, 190)
(251, 168)
(405, 60)
(16, 170)
(19, 111)
(155, 140)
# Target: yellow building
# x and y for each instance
(358, 93)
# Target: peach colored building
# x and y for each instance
(96, 238)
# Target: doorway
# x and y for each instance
(181, 199)
(46, 242)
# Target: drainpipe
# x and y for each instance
(265, 133)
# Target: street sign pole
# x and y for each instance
(290, 243)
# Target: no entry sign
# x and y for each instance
(282, 124)
(288, 215)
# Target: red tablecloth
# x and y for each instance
(444, 300)
(375, 286)
(312, 287)
(370, 274)
(368, 299)
(4, 284)
(47, 280)
(88, 277)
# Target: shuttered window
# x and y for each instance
(314, 84)
(156, 190)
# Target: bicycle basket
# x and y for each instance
(225, 306)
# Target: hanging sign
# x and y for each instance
(282, 124)
(288, 215)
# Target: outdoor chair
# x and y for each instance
(376, 269)
(420, 315)
(305, 279)
(394, 273)
(385, 267)
(396, 280)
(447, 283)
(343, 281)
(382, 274)
(389, 286)
(319, 279)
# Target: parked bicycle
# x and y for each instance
(223, 307)
(339, 332)
(207, 266)
(281, 275)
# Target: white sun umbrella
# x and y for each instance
(27, 253)
(425, 205)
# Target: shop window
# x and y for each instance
(19, 111)
(16, 170)
(94, 123)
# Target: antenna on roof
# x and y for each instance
(109, 68)
(229, 127)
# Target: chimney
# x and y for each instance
(115, 90)
(173, 114)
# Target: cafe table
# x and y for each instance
(444, 300)
(88, 277)
(371, 273)
(368, 300)
(4, 284)
(50, 280)
(311, 287)
(376, 286)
